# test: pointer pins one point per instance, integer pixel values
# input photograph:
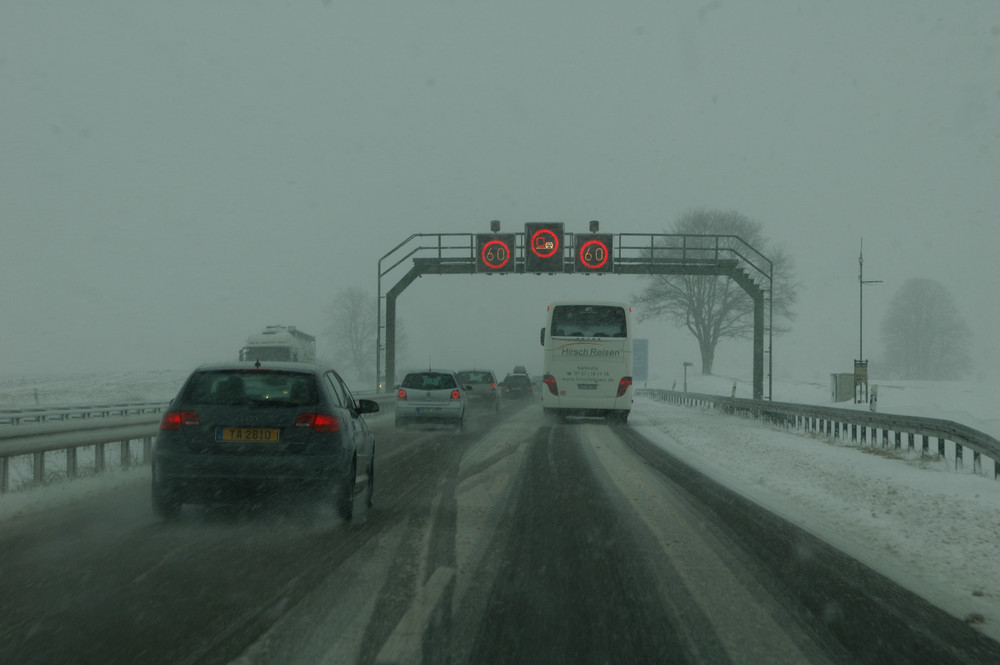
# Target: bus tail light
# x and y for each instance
(623, 385)
(550, 381)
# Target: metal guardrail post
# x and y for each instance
(67, 437)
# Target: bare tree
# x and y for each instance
(924, 335)
(715, 308)
(354, 316)
(352, 332)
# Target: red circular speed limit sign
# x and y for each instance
(593, 254)
(495, 254)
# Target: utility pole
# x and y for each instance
(861, 365)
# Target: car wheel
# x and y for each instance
(166, 504)
(460, 424)
(345, 495)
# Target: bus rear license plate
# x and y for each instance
(587, 386)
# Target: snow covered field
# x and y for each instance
(930, 528)
(67, 390)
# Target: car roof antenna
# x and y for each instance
(257, 364)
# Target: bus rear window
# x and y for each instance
(588, 321)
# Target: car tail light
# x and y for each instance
(624, 384)
(174, 420)
(550, 381)
(456, 395)
(401, 394)
(318, 422)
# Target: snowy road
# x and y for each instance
(516, 541)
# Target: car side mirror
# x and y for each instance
(367, 406)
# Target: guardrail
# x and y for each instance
(39, 439)
(860, 427)
(70, 429)
(44, 414)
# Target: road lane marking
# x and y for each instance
(404, 646)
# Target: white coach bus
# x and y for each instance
(587, 360)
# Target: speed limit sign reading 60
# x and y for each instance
(593, 253)
(494, 252)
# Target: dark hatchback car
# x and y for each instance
(518, 386)
(237, 432)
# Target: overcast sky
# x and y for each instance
(176, 175)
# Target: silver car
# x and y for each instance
(431, 396)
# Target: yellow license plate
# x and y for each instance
(247, 434)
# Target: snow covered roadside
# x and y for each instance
(66, 492)
(931, 530)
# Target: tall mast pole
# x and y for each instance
(861, 299)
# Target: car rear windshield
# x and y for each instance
(261, 388)
(475, 377)
(518, 380)
(429, 381)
